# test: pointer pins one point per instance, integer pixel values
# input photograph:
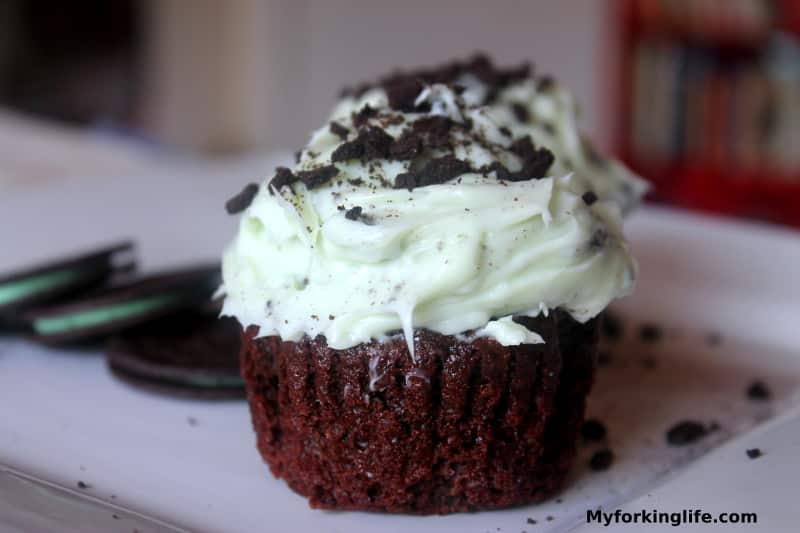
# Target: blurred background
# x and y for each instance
(702, 97)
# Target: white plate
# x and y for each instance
(64, 419)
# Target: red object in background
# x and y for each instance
(701, 106)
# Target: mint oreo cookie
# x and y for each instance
(121, 307)
(191, 354)
(53, 282)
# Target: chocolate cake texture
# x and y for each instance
(468, 424)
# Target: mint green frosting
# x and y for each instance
(452, 257)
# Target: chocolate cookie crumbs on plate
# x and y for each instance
(353, 213)
(593, 430)
(758, 391)
(601, 460)
(531, 520)
(242, 200)
(505, 131)
(650, 333)
(82, 485)
(589, 197)
(754, 453)
(686, 432)
(318, 176)
(339, 130)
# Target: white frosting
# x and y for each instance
(509, 333)
(450, 257)
(552, 122)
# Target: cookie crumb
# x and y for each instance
(758, 391)
(650, 333)
(338, 130)
(82, 485)
(283, 177)
(754, 453)
(589, 197)
(686, 432)
(612, 326)
(593, 430)
(531, 520)
(353, 213)
(318, 176)
(242, 200)
(601, 460)
(520, 112)
(535, 161)
(192, 421)
(435, 171)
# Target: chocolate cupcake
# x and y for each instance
(418, 298)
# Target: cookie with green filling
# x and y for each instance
(191, 354)
(114, 309)
(55, 281)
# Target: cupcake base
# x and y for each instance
(469, 425)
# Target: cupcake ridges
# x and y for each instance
(470, 425)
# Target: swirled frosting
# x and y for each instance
(525, 105)
(434, 216)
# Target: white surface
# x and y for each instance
(63, 418)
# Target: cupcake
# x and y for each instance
(418, 299)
